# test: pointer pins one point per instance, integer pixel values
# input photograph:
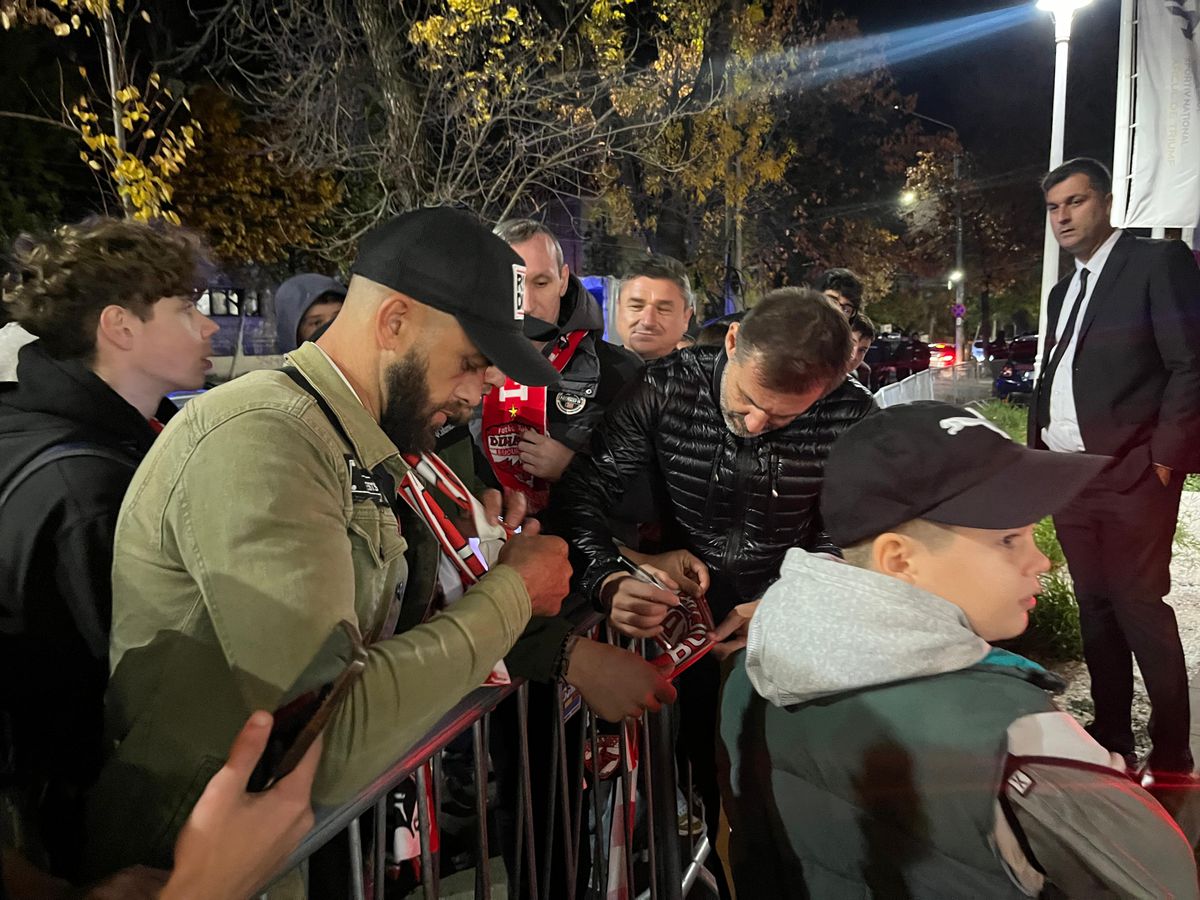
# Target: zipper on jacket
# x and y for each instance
(774, 480)
(714, 479)
(742, 469)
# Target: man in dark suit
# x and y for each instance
(1120, 376)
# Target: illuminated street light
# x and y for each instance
(908, 198)
(1063, 12)
(956, 276)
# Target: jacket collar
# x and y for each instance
(1117, 257)
(578, 311)
(70, 390)
(718, 372)
(371, 445)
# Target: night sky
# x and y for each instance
(998, 89)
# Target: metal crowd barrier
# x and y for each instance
(964, 383)
(961, 384)
(670, 875)
(918, 386)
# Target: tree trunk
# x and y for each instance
(401, 106)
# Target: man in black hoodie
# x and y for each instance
(113, 306)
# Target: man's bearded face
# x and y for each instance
(408, 411)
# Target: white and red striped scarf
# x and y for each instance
(471, 564)
(429, 469)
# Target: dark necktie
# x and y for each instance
(1057, 352)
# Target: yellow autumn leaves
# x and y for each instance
(143, 155)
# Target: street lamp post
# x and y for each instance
(960, 285)
(960, 282)
(1063, 12)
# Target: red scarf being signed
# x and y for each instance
(511, 411)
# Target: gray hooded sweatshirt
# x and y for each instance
(827, 627)
(292, 300)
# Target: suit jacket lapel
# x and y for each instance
(1117, 258)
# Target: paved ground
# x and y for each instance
(1185, 597)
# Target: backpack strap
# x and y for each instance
(53, 454)
(381, 481)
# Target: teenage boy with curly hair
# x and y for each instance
(112, 304)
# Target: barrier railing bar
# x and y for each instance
(357, 891)
(333, 820)
(548, 812)
(436, 773)
(696, 869)
(564, 789)
(380, 847)
(664, 813)
(483, 871)
(427, 815)
(691, 801)
(525, 826)
(580, 787)
(600, 884)
(483, 859)
(651, 802)
(626, 819)
(695, 872)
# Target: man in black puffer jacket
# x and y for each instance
(738, 436)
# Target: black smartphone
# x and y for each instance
(299, 721)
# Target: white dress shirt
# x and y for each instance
(1062, 432)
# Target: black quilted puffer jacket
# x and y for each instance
(740, 503)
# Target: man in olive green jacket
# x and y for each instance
(266, 514)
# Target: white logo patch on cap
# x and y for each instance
(955, 424)
(518, 292)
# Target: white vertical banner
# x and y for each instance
(1164, 188)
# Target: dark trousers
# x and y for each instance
(1117, 540)
(698, 706)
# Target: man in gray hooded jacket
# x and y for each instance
(879, 746)
(304, 304)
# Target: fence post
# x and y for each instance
(668, 870)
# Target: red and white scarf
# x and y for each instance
(429, 469)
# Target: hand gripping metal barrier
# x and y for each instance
(661, 865)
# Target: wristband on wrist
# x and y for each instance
(563, 661)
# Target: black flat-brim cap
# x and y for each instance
(934, 461)
(447, 259)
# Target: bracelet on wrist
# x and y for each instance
(563, 661)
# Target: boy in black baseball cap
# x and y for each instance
(879, 745)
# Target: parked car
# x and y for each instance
(1015, 381)
(894, 357)
(941, 356)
